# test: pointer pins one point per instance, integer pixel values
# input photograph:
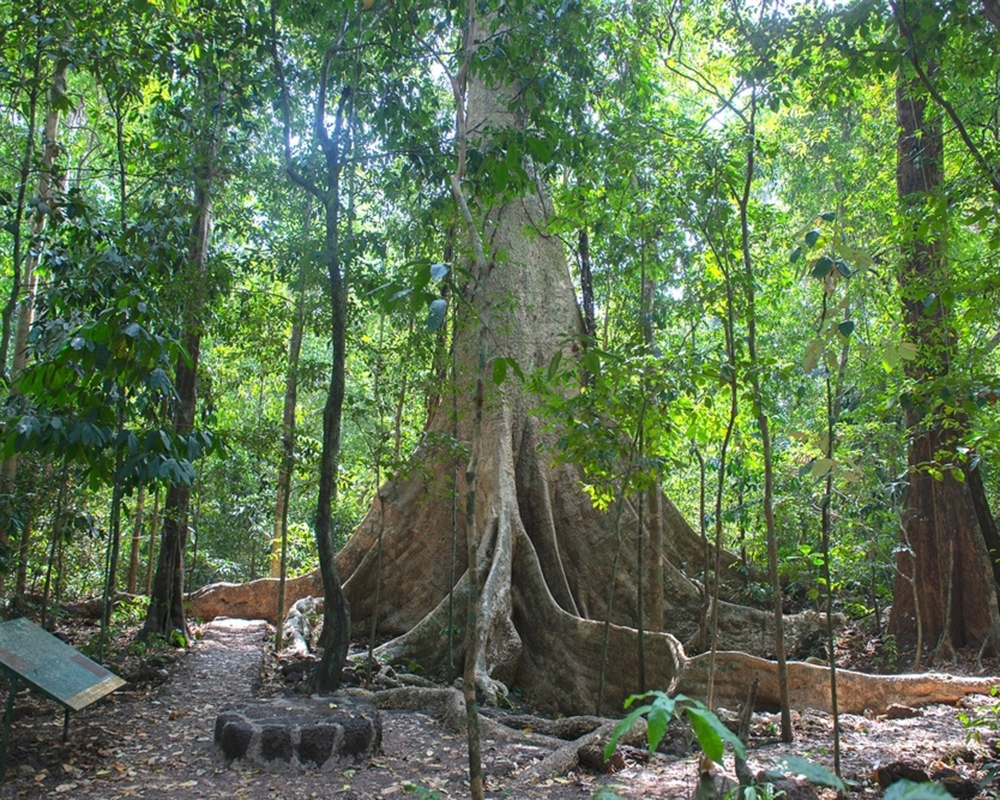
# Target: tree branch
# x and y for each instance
(939, 99)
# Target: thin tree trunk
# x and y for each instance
(24, 551)
(288, 450)
(763, 425)
(166, 602)
(154, 529)
(114, 545)
(56, 535)
(136, 544)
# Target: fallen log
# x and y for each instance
(255, 600)
(809, 685)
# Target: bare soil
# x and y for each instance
(156, 741)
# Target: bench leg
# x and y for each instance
(7, 718)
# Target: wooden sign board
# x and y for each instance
(31, 655)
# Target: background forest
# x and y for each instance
(195, 197)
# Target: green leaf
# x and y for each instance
(435, 316)
(908, 790)
(711, 733)
(829, 216)
(822, 267)
(813, 351)
(554, 365)
(843, 268)
(499, 370)
(795, 255)
(658, 719)
(622, 728)
(158, 380)
(438, 271)
(890, 357)
(821, 466)
(812, 237)
(908, 351)
(846, 327)
(592, 362)
(816, 774)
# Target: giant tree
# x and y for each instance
(943, 555)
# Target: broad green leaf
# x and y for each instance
(812, 237)
(795, 255)
(814, 773)
(821, 466)
(554, 365)
(499, 370)
(846, 327)
(908, 790)
(822, 266)
(438, 271)
(908, 351)
(843, 268)
(829, 216)
(592, 362)
(813, 351)
(890, 357)
(435, 316)
(657, 721)
(158, 380)
(710, 731)
(622, 728)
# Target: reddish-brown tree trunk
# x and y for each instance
(949, 567)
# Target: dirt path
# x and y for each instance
(143, 746)
(158, 744)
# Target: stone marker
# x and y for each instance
(310, 732)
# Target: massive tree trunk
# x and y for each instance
(944, 573)
(546, 552)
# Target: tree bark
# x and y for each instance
(154, 529)
(136, 544)
(279, 565)
(950, 566)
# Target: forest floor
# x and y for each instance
(154, 739)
